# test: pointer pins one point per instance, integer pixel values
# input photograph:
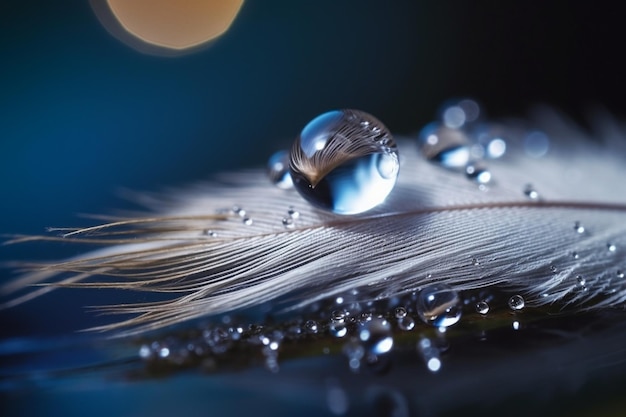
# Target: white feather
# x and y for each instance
(435, 226)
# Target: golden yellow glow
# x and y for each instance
(176, 25)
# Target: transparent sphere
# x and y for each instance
(376, 336)
(439, 305)
(278, 170)
(444, 146)
(345, 161)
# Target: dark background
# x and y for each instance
(82, 114)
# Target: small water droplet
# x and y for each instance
(516, 302)
(288, 222)
(439, 305)
(400, 312)
(310, 326)
(293, 213)
(376, 336)
(444, 146)
(581, 280)
(475, 262)
(516, 325)
(210, 233)
(575, 255)
(579, 228)
(406, 323)
(611, 247)
(620, 274)
(530, 192)
(247, 221)
(238, 211)
(478, 173)
(365, 317)
(482, 307)
(338, 316)
(337, 165)
(338, 329)
(553, 268)
(278, 170)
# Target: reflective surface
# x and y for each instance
(345, 161)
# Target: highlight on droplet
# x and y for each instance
(166, 27)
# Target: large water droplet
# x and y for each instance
(445, 146)
(439, 305)
(278, 170)
(345, 161)
(516, 302)
(376, 337)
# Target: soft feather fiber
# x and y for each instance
(436, 226)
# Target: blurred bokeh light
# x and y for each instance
(166, 27)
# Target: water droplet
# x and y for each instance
(338, 329)
(482, 307)
(478, 173)
(536, 144)
(475, 262)
(238, 211)
(553, 268)
(247, 221)
(376, 336)
(406, 323)
(293, 213)
(288, 222)
(516, 325)
(611, 247)
(341, 165)
(579, 228)
(620, 274)
(581, 280)
(516, 302)
(444, 146)
(365, 317)
(338, 316)
(530, 192)
(439, 305)
(278, 170)
(311, 326)
(400, 312)
(575, 255)
(210, 233)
